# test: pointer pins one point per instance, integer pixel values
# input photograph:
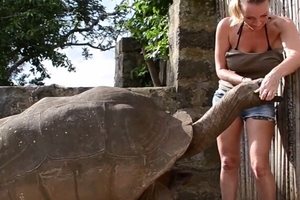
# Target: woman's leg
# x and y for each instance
(229, 150)
(260, 132)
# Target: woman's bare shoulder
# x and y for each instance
(225, 25)
(225, 22)
(282, 22)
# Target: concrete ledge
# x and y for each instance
(15, 99)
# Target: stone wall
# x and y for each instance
(14, 100)
(127, 57)
(191, 36)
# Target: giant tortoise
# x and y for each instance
(106, 143)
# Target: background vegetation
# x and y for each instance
(37, 30)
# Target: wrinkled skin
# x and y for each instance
(219, 117)
(106, 143)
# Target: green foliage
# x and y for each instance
(142, 75)
(149, 25)
(33, 31)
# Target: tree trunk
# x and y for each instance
(152, 70)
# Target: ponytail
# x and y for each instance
(235, 12)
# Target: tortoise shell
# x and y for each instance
(105, 143)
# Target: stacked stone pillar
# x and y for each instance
(191, 36)
(127, 57)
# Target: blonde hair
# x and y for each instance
(235, 11)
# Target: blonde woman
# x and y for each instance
(249, 45)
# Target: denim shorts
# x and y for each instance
(262, 112)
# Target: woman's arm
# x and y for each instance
(291, 43)
(222, 45)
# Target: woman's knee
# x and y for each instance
(230, 163)
(260, 168)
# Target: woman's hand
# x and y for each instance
(268, 87)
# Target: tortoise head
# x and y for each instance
(248, 89)
(219, 116)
